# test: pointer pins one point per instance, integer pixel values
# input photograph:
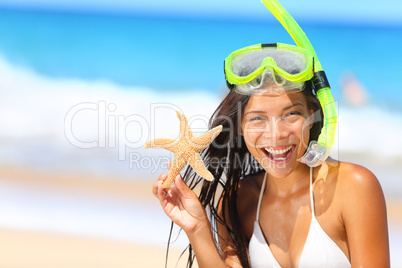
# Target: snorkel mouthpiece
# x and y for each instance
(317, 151)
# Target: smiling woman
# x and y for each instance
(287, 204)
(269, 209)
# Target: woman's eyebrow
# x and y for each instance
(293, 105)
(254, 112)
(286, 108)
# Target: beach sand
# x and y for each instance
(42, 249)
(30, 248)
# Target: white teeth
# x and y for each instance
(272, 151)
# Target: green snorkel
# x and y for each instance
(317, 151)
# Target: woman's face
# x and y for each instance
(276, 130)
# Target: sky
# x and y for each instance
(365, 11)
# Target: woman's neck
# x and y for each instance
(290, 184)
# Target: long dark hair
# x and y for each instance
(229, 160)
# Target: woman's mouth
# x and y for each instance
(279, 154)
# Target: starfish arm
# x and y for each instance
(160, 143)
(186, 151)
(205, 139)
(185, 131)
(177, 165)
(197, 164)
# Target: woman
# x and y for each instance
(346, 199)
(276, 200)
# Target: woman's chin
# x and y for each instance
(279, 169)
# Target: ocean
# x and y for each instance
(50, 62)
(170, 53)
(85, 91)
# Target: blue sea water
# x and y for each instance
(179, 54)
(57, 60)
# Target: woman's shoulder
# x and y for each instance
(363, 214)
(352, 175)
(354, 182)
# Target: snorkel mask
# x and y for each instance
(269, 66)
(286, 67)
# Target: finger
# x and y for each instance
(161, 194)
(155, 188)
(182, 186)
(161, 178)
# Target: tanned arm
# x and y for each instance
(365, 218)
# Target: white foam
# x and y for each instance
(369, 130)
(33, 110)
(37, 112)
(33, 105)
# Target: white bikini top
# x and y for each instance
(319, 249)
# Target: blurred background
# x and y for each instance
(84, 84)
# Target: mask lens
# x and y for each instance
(285, 61)
(290, 61)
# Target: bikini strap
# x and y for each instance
(260, 198)
(312, 193)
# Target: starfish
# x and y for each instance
(186, 149)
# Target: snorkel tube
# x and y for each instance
(317, 151)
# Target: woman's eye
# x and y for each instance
(257, 122)
(256, 118)
(293, 113)
(292, 116)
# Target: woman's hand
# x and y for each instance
(180, 204)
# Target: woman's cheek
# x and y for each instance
(251, 136)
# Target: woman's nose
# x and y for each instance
(276, 129)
